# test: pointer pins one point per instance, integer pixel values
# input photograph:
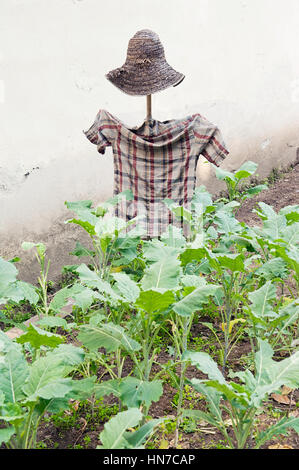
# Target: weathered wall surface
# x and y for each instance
(241, 62)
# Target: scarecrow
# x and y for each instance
(156, 160)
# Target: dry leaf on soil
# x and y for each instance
(280, 446)
(283, 399)
(286, 390)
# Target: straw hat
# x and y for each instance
(145, 71)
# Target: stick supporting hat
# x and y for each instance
(146, 70)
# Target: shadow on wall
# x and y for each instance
(34, 199)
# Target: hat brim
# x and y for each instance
(144, 80)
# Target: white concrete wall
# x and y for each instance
(240, 59)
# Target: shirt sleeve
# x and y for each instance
(209, 141)
(101, 132)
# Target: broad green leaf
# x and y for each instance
(126, 195)
(294, 209)
(81, 250)
(6, 434)
(155, 250)
(91, 279)
(163, 274)
(178, 211)
(61, 297)
(46, 379)
(153, 301)
(78, 390)
(87, 226)
(53, 322)
(291, 213)
(127, 247)
(192, 254)
(263, 361)
(206, 364)
(86, 218)
(228, 207)
(281, 427)
(212, 396)
(134, 392)
(193, 280)
(173, 236)
(70, 355)
(202, 197)
(82, 389)
(256, 189)
(27, 292)
(6, 344)
(274, 228)
(137, 438)
(109, 226)
(108, 336)
(271, 375)
(265, 211)
(273, 268)
(291, 256)
(78, 205)
(247, 169)
(233, 262)
(292, 312)
(201, 415)
(40, 247)
(13, 289)
(12, 413)
(261, 300)
(126, 286)
(57, 388)
(194, 301)
(229, 393)
(13, 372)
(285, 372)
(222, 174)
(86, 298)
(18, 291)
(227, 223)
(38, 337)
(113, 435)
(107, 388)
(247, 378)
(290, 234)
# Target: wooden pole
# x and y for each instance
(149, 107)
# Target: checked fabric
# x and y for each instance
(156, 160)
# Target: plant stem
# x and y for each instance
(186, 329)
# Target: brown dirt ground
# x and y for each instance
(283, 192)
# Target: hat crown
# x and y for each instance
(145, 45)
(146, 70)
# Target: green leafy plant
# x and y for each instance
(233, 181)
(30, 389)
(40, 254)
(241, 402)
(117, 436)
(269, 320)
(109, 247)
(12, 289)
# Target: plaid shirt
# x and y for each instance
(156, 160)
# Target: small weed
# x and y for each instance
(13, 313)
(189, 396)
(93, 414)
(199, 343)
(41, 445)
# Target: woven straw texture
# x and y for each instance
(146, 70)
